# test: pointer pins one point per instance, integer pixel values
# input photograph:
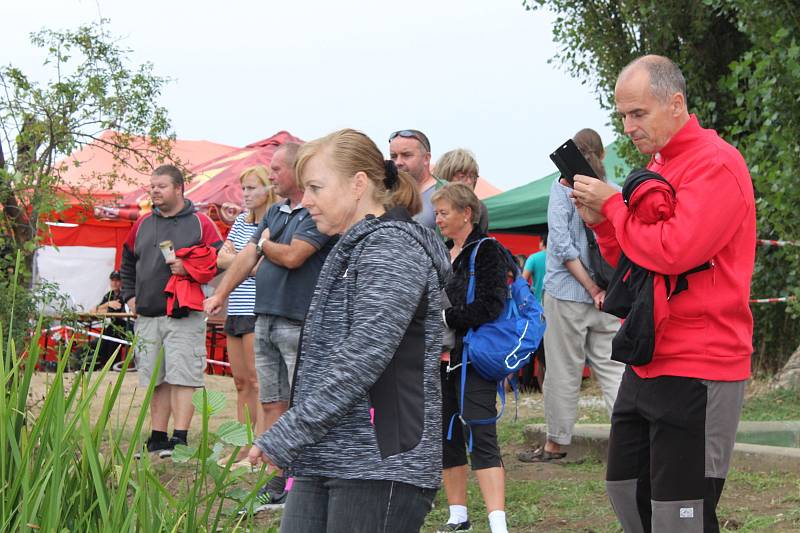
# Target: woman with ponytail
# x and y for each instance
(590, 145)
(362, 435)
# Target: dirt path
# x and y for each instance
(131, 396)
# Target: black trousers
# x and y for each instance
(669, 451)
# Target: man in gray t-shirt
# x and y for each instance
(411, 151)
(292, 253)
(281, 290)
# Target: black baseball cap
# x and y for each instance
(114, 275)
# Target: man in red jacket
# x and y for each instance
(675, 419)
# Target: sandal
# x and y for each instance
(540, 455)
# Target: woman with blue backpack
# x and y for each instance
(457, 212)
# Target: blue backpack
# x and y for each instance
(501, 347)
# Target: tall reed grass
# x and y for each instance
(59, 471)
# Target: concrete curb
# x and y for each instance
(591, 440)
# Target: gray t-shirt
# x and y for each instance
(282, 291)
(426, 217)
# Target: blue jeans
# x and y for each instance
(330, 505)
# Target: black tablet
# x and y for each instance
(570, 161)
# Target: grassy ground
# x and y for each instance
(766, 404)
(565, 497)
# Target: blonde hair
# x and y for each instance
(590, 144)
(351, 151)
(262, 173)
(455, 161)
(460, 197)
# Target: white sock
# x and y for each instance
(497, 522)
(458, 514)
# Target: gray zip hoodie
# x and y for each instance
(372, 340)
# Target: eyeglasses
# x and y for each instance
(413, 134)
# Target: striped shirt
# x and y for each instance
(566, 240)
(243, 298)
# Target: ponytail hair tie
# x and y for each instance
(391, 179)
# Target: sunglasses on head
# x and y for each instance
(412, 134)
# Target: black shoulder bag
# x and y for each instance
(600, 271)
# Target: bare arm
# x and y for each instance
(226, 255)
(237, 273)
(579, 272)
(527, 275)
(291, 255)
(111, 306)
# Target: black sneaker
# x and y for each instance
(272, 495)
(154, 447)
(167, 450)
(461, 526)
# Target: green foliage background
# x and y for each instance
(741, 60)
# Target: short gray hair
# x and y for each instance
(666, 78)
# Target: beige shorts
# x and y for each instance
(184, 343)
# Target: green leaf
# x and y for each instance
(238, 494)
(215, 400)
(233, 433)
(182, 453)
(216, 452)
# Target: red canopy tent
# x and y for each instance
(85, 178)
(79, 248)
(214, 185)
(87, 171)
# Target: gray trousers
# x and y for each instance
(576, 334)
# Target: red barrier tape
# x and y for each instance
(770, 243)
(772, 300)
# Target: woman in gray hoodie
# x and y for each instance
(362, 436)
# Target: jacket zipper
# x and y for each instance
(713, 272)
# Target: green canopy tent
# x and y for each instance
(523, 210)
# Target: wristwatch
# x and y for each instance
(259, 247)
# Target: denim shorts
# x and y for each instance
(239, 325)
(276, 342)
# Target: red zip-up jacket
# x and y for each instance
(709, 332)
(186, 292)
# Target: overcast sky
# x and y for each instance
(469, 73)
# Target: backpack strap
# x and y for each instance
(472, 256)
(682, 283)
(467, 424)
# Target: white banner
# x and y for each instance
(81, 273)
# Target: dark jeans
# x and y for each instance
(330, 505)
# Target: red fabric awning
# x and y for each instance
(214, 186)
(86, 172)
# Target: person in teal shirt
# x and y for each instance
(535, 267)
(533, 272)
